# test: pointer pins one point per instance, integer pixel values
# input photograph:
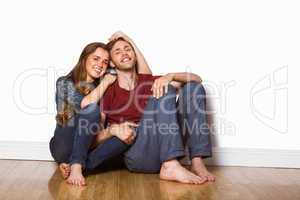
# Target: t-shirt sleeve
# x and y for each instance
(148, 77)
(156, 77)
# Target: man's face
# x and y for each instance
(123, 56)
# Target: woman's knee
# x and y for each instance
(89, 118)
(60, 150)
(91, 110)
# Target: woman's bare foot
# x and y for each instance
(76, 177)
(64, 169)
(198, 167)
(173, 171)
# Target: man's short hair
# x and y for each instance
(112, 43)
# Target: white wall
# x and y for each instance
(246, 51)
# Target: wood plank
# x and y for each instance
(41, 180)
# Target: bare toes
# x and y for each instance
(201, 181)
(212, 178)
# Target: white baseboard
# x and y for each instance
(20, 150)
(221, 156)
(255, 157)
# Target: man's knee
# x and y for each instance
(168, 98)
(170, 94)
(193, 87)
(192, 91)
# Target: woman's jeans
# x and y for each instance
(71, 144)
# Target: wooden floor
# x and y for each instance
(40, 180)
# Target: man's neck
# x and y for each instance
(127, 79)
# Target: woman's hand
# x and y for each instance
(160, 85)
(120, 34)
(124, 131)
(143, 67)
(109, 78)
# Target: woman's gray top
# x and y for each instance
(67, 93)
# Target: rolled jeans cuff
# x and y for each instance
(174, 154)
(200, 153)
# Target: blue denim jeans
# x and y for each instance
(191, 107)
(71, 144)
(160, 131)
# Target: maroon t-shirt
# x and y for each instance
(120, 105)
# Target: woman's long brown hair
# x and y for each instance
(78, 75)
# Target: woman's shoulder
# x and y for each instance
(65, 83)
(64, 80)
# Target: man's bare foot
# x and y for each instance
(173, 171)
(76, 177)
(198, 167)
(64, 169)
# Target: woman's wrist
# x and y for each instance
(104, 84)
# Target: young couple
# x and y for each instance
(138, 117)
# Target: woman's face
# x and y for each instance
(96, 64)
